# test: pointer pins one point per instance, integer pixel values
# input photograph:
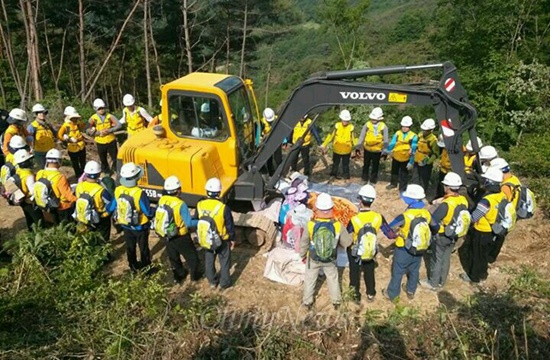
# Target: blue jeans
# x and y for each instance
(403, 264)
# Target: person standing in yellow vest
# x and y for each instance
(470, 156)
(444, 167)
(71, 133)
(403, 148)
(173, 224)
(43, 135)
(136, 117)
(24, 179)
(304, 151)
(427, 152)
(17, 120)
(275, 160)
(103, 126)
(373, 141)
(343, 141)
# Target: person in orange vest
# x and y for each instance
(373, 140)
(427, 152)
(403, 148)
(134, 116)
(343, 141)
(42, 133)
(17, 120)
(103, 126)
(71, 133)
(299, 131)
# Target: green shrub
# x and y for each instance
(531, 158)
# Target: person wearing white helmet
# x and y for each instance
(318, 244)
(42, 133)
(470, 155)
(427, 152)
(136, 117)
(24, 180)
(414, 228)
(444, 167)
(173, 224)
(102, 126)
(484, 216)
(214, 212)
(132, 211)
(364, 228)
(17, 120)
(373, 141)
(8, 168)
(454, 219)
(274, 160)
(52, 192)
(486, 154)
(403, 148)
(71, 134)
(343, 141)
(299, 132)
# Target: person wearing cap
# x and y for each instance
(221, 214)
(60, 188)
(133, 212)
(42, 133)
(324, 213)
(365, 217)
(470, 156)
(17, 120)
(71, 134)
(24, 180)
(181, 244)
(274, 160)
(343, 141)
(403, 148)
(136, 117)
(8, 169)
(444, 167)
(442, 247)
(91, 188)
(427, 152)
(373, 140)
(102, 126)
(405, 263)
(299, 131)
(484, 217)
(486, 154)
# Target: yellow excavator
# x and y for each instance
(213, 126)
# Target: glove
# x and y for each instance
(410, 166)
(66, 137)
(73, 140)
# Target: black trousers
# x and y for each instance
(424, 175)
(275, 160)
(32, 214)
(304, 152)
(355, 275)
(141, 239)
(336, 159)
(110, 149)
(440, 191)
(104, 228)
(183, 246)
(60, 216)
(480, 247)
(78, 160)
(224, 255)
(496, 246)
(399, 174)
(371, 158)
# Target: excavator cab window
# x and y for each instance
(245, 123)
(197, 116)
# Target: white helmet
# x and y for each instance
(345, 115)
(428, 124)
(18, 114)
(407, 121)
(205, 108)
(172, 183)
(324, 202)
(376, 114)
(17, 142)
(92, 168)
(21, 156)
(38, 108)
(487, 153)
(367, 191)
(69, 110)
(499, 163)
(269, 114)
(54, 155)
(414, 191)
(469, 144)
(493, 174)
(440, 141)
(129, 170)
(128, 100)
(213, 185)
(452, 180)
(98, 104)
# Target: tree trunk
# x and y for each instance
(6, 40)
(227, 41)
(245, 23)
(146, 43)
(187, 37)
(81, 50)
(154, 46)
(32, 47)
(268, 76)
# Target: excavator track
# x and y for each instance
(256, 229)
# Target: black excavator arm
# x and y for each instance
(449, 99)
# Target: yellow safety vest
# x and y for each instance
(374, 139)
(469, 163)
(311, 226)
(299, 131)
(72, 131)
(402, 148)
(363, 218)
(409, 216)
(209, 205)
(452, 202)
(103, 125)
(424, 149)
(134, 120)
(53, 176)
(44, 138)
(95, 190)
(514, 184)
(175, 204)
(444, 162)
(10, 132)
(267, 126)
(135, 193)
(343, 140)
(484, 224)
(23, 175)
